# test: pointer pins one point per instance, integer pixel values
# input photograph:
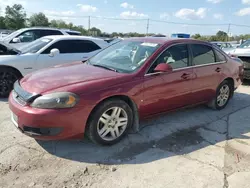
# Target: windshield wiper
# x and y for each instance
(102, 66)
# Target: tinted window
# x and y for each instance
(50, 32)
(202, 54)
(73, 46)
(84, 46)
(219, 56)
(176, 56)
(29, 36)
(73, 33)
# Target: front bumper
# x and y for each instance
(48, 124)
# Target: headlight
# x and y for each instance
(56, 100)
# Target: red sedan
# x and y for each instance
(133, 79)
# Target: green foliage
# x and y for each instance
(15, 17)
(38, 20)
(2, 23)
(221, 36)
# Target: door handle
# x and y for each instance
(218, 69)
(185, 76)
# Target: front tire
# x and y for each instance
(8, 76)
(223, 94)
(109, 123)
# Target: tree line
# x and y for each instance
(221, 36)
(16, 18)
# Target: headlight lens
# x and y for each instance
(56, 100)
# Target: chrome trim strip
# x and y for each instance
(174, 70)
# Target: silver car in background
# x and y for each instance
(24, 36)
(243, 52)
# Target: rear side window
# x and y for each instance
(84, 46)
(219, 56)
(73, 33)
(50, 32)
(73, 46)
(202, 54)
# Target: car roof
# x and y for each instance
(72, 37)
(100, 42)
(52, 28)
(163, 40)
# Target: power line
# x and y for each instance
(143, 19)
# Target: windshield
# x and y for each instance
(246, 44)
(35, 46)
(14, 34)
(124, 56)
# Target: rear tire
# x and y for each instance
(224, 93)
(109, 122)
(8, 76)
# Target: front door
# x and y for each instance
(168, 91)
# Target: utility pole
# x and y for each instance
(89, 26)
(228, 31)
(147, 26)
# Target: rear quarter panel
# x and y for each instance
(232, 69)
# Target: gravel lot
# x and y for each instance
(196, 147)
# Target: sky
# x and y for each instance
(108, 14)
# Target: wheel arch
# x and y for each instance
(231, 82)
(13, 68)
(130, 102)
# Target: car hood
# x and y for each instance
(240, 52)
(61, 76)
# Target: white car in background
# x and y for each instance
(42, 53)
(24, 36)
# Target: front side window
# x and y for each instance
(202, 54)
(29, 36)
(176, 56)
(124, 56)
(63, 46)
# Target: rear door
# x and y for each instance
(208, 68)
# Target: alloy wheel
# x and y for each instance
(223, 95)
(112, 123)
(7, 80)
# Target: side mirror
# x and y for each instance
(54, 52)
(163, 67)
(16, 40)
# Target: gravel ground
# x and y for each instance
(195, 147)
